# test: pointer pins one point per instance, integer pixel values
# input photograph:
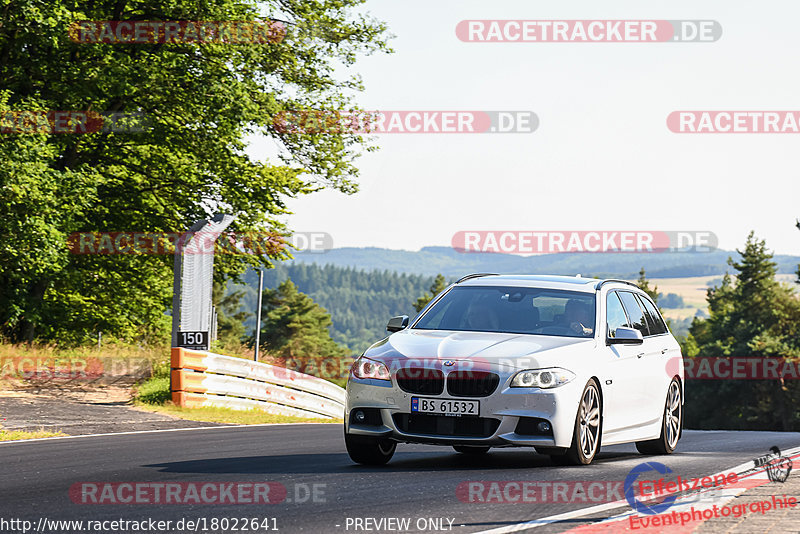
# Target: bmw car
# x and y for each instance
(561, 364)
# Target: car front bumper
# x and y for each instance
(505, 408)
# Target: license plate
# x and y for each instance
(445, 406)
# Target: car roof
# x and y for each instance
(569, 283)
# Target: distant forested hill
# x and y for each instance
(360, 302)
(363, 287)
(452, 264)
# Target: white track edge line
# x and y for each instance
(132, 432)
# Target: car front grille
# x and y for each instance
(441, 425)
(472, 383)
(420, 381)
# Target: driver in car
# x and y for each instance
(578, 318)
(481, 318)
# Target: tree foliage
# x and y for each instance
(231, 317)
(644, 285)
(201, 102)
(797, 224)
(671, 301)
(753, 316)
(295, 327)
(438, 285)
(360, 302)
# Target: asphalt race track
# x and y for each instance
(419, 483)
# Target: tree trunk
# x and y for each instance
(781, 403)
(36, 297)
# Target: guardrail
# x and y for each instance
(202, 378)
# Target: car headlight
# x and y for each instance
(551, 377)
(366, 368)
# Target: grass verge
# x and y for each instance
(16, 435)
(107, 351)
(226, 415)
(153, 391)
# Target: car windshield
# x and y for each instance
(513, 310)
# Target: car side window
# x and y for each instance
(615, 314)
(655, 321)
(635, 312)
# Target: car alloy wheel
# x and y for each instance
(590, 422)
(673, 414)
(588, 428)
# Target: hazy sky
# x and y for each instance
(602, 157)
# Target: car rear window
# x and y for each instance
(635, 313)
(654, 319)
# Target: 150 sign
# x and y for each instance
(193, 340)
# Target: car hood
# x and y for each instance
(431, 348)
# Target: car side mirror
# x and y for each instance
(398, 323)
(625, 336)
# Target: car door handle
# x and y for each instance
(640, 355)
(664, 351)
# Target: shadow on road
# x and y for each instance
(402, 462)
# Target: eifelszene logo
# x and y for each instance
(778, 467)
(630, 495)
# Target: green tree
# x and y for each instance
(671, 300)
(754, 317)
(231, 329)
(439, 285)
(797, 224)
(294, 327)
(359, 301)
(644, 285)
(202, 102)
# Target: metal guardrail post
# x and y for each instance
(258, 312)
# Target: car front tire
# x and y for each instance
(367, 450)
(671, 424)
(588, 429)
